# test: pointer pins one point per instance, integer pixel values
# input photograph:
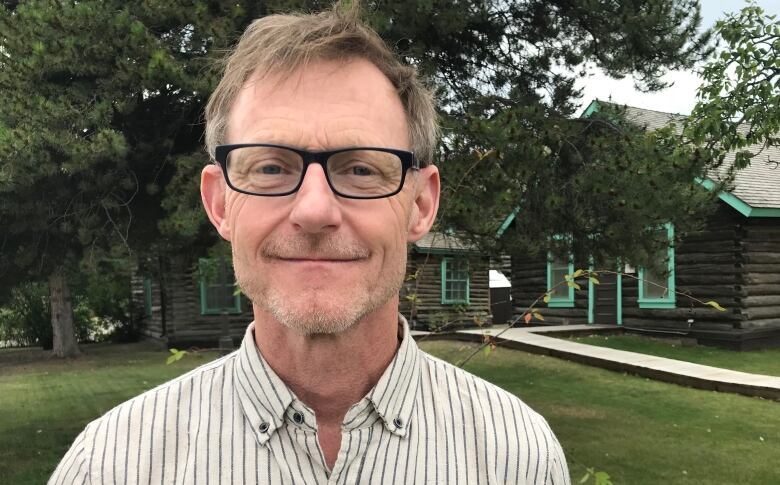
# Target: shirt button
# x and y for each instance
(263, 427)
(298, 417)
(398, 423)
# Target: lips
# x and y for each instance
(317, 249)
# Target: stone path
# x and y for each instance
(531, 339)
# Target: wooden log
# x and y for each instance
(707, 269)
(712, 247)
(762, 323)
(751, 246)
(762, 268)
(697, 279)
(763, 312)
(761, 278)
(728, 257)
(760, 300)
(702, 291)
(756, 258)
(761, 289)
(715, 233)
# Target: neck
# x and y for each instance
(330, 373)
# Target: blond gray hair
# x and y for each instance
(281, 44)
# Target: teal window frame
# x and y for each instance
(204, 287)
(670, 301)
(444, 281)
(566, 301)
(148, 297)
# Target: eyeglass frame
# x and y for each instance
(408, 161)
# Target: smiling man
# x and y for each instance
(323, 145)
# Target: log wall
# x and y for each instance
(529, 280)
(734, 260)
(707, 268)
(760, 263)
(428, 311)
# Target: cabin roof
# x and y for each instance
(440, 242)
(757, 185)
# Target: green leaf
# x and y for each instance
(546, 298)
(486, 350)
(594, 280)
(538, 316)
(175, 355)
(715, 305)
(602, 478)
(578, 273)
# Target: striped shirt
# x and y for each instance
(233, 421)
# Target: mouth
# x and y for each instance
(311, 259)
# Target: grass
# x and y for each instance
(638, 431)
(765, 362)
(45, 403)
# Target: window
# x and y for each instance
(217, 287)
(656, 289)
(557, 268)
(148, 297)
(454, 281)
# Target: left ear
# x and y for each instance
(425, 204)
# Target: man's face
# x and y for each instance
(316, 262)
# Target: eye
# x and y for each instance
(269, 169)
(361, 170)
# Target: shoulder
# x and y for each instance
(124, 427)
(510, 427)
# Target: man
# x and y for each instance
(324, 145)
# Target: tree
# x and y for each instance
(738, 108)
(100, 99)
(506, 73)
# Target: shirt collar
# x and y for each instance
(263, 395)
(265, 398)
(394, 395)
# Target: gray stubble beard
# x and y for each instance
(309, 320)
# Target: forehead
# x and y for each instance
(323, 104)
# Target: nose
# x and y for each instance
(316, 208)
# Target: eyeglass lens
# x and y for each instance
(274, 170)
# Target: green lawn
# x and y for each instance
(45, 403)
(765, 362)
(639, 431)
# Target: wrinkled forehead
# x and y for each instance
(319, 95)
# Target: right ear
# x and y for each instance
(212, 193)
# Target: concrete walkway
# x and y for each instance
(531, 339)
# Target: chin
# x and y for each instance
(313, 317)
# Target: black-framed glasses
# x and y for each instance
(277, 170)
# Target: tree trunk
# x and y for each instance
(62, 317)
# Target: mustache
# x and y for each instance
(317, 246)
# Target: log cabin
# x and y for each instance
(734, 260)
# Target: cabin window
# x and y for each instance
(557, 268)
(148, 297)
(217, 287)
(656, 288)
(455, 281)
